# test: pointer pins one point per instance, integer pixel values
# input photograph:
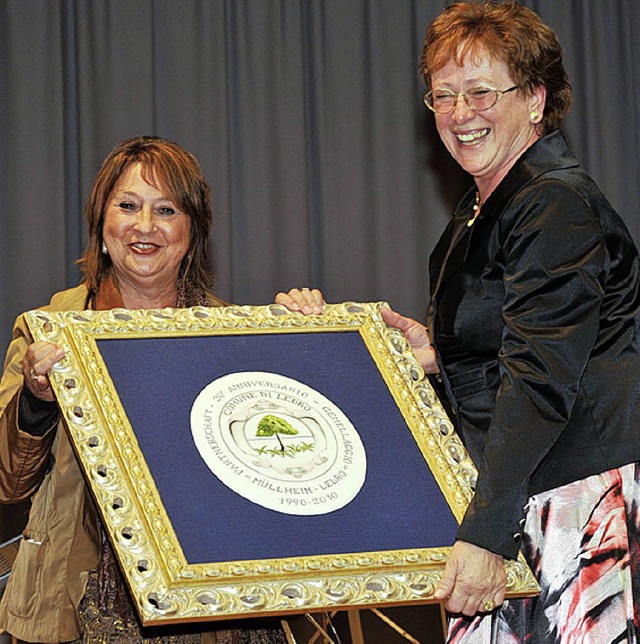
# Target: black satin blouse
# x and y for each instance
(534, 314)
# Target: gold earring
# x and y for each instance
(534, 117)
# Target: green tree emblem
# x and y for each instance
(271, 425)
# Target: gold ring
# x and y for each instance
(489, 606)
(33, 373)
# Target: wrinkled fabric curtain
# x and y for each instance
(308, 120)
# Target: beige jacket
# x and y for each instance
(59, 548)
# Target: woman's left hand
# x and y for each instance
(304, 300)
(474, 580)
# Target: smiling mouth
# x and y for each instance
(472, 137)
(144, 247)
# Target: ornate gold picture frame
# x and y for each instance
(251, 461)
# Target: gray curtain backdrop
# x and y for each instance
(306, 115)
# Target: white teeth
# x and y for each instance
(472, 136)
(142, 246)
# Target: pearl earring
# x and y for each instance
(105, 250)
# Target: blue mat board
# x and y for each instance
(157, 379)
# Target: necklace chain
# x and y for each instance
(476, 208)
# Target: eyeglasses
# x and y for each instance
(479, 99)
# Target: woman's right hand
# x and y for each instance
(303, 300)
(417, 336)
(36, 364)
(474, 580)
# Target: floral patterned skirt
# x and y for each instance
(582, 541)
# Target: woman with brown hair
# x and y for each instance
(149, 218)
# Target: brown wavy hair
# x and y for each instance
(179, 173)
(510, 33)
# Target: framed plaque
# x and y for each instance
(252, 461)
